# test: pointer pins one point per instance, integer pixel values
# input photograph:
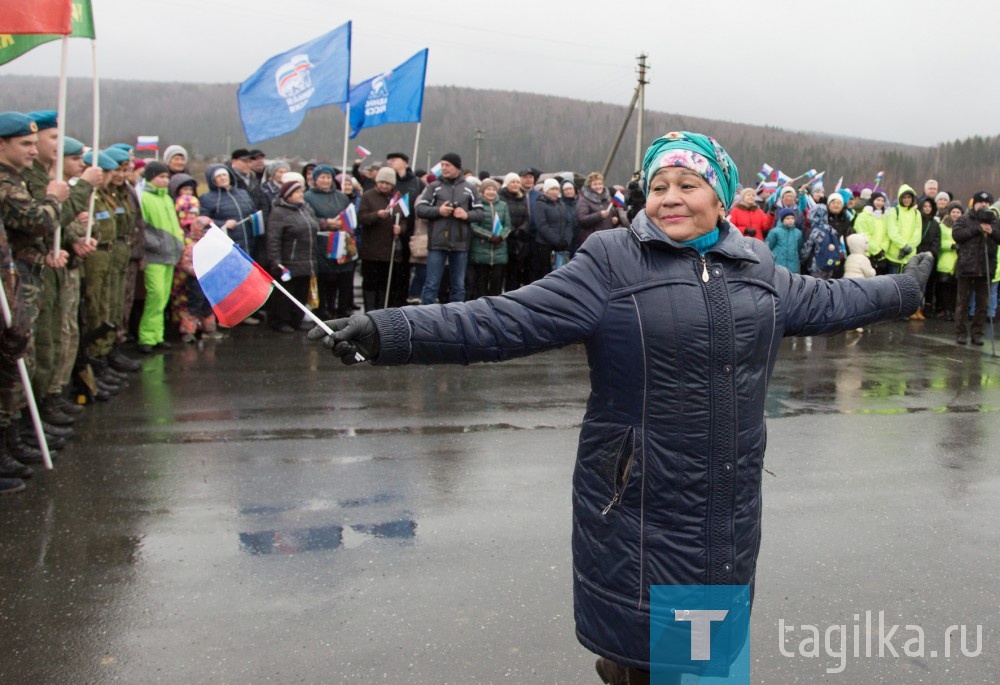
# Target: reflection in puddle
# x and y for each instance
(320, 505)
(317, 538)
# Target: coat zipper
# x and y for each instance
(704, 269)
(623, 479)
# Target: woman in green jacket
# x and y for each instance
(945, 291)
(164, 246)
(871, 222)
(489, 246)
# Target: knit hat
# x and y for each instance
(323, 169)
(221, 169)
(294, 176)
(154, 169)
(819, 187)
(866, 193)
(510, 178)
(139, 164)
(386, 175)
(453, 159)
(954, 204)
(835, 197)
(785, 211)
(875, 194)
(699, 153)
(488, 183)
(173, 151)
(846, 194)
(289, 187)
(942, 196)
(982, 196)
(568, 183)
(549, 184)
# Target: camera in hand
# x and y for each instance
(984, 216)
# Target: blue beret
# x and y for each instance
(122, 146)
(45, 118)
(71, 146)
(116, 153)
(104, 160)
(16, 125)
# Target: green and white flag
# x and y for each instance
(13, 46)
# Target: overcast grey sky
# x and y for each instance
(899, 71)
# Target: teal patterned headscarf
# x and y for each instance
(699, 153)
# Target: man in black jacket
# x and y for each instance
(450, 206)
(975, 235)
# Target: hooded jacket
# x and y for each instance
(903, 228)
(785, 244)
(977, 251)
(291, 238)
(221, 205)
(164, 238)
(669, 333)
(857, 264)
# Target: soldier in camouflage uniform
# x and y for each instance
(98, 277)
(126, 217)
(13, 340)
(30, 229)
(82, 180)
(55, 286)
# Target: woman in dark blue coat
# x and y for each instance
(682, 318)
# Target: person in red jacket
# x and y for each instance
(748, 217)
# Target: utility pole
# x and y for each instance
(479, 139)
(637, 96)
(641, 89)
(429, 153)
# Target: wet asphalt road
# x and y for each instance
(253, 512)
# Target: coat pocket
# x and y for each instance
(623, 460)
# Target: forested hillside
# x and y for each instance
(519, 129)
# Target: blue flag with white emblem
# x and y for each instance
(395, 97)
(275, 99)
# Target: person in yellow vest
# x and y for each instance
(902, 229)
(946, 292)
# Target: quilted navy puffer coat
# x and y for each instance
(667, 485)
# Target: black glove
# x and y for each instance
(905, 251)
(919, 268)
(354, 339)
(496, 240)
(879, 256)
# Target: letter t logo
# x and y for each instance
(701, 629)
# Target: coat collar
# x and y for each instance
(731, 243)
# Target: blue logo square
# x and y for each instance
(702, 630)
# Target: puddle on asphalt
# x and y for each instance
(324, 538)
(320, 505)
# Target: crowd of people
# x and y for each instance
(858, 234)
(102, 256)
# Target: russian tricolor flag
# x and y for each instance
(147, 143)
(618, 199)
(336, 245)
(497, 225)
(349, 218)
(234, 284)
(363, 151)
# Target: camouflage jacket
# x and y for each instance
(29, 223)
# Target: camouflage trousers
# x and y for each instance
(120, 254)
(47, 333)
(131, 278)
(97, 299)
(69, 332)
(13, 399)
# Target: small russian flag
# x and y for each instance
(782, 177)
(765, 172)
(618, 199)
(436, 169)
(147, 143)
(349, 218)
(336, 245)
(404, 205)
(497, 225)
(235, 285)
(363, 151)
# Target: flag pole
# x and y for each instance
(97, 135)
(347, 130)
(61, 128)
(416, 143)
(29, 395)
